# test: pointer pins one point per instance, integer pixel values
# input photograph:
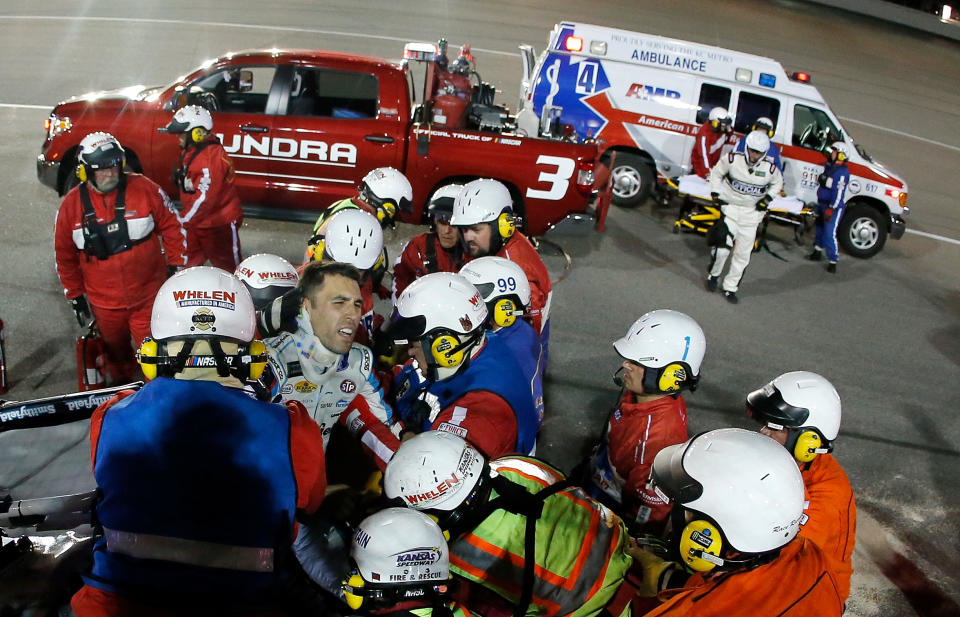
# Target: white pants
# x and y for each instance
(740, 238)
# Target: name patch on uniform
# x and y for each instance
(453, 428)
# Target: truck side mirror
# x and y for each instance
(246, 81)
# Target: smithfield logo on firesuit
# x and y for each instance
(286, 148)
(422, 556)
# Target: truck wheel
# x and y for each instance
(633, 179)
(862, 231)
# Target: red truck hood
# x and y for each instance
(130, 93)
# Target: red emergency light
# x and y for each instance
(573, 43)
(801, 76)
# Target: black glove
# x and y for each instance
(763, 203)
(171, 270)
(280, 315)
(715, 197)
(82, 310)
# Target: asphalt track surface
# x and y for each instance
(886, 331)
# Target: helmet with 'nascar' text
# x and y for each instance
(670, 345)
(386, 190)
(266, 277)
(434, 470)
(503, 285)
(355, 237)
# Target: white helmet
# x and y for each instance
(400, 545)
(191, 117)
(719, 115)
(503, 285)
(758, 140)
(387, 190)
(670, 341)
(355, 237)
(99, 150)
(442, 200)
(481, 201)
(743, 482)
(764, 124)
(434, 470)
(266, 277)
(841, 149)
(799, 401)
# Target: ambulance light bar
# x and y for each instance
(426, 52)
(598, 48)
(800, 76)
(573, 43)
(767, 80)
(744, 75)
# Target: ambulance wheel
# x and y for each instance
(633, 179)
(862, 231)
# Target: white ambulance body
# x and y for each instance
(646, 96)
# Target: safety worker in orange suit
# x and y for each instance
(662, 353)
(738, 506)
(801, 411)
(438, 250)
(211, 210)
(484, 214)
(116, 239)
(199, 483)
(710, 139)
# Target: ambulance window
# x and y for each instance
(328, 93)
(712, 96)
(813, 128)
(238, 89)
(752, 106)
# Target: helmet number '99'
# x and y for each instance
(559, 180)
(506, 284)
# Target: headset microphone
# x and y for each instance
(617, 379)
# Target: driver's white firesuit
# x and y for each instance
(741, 186)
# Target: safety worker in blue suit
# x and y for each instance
(773, 152)
(830, 196)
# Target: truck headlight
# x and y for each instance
(55, 125)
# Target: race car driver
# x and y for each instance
(116, 239)
(506, 292)
(710, 139)
(438, 250)
(830, 202)
(738, 508)
(800, 410)
(744, 183)
(483, 211)
(211, 213)
(662, 353)
(192, 522)
(460, 378)
(498, 511)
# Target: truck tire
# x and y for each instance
(633, 179)
(862, 231)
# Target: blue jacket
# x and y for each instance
(833, 185)
(773, 153)
(197, 466)
(524, 342)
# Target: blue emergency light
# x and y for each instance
(767, 80)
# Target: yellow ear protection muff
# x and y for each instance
(315, 247)
(447, 350)
(198, 134)
(668, 379)
(255, 360)
(145, 357)
(506, 224)
(700, 544)
(356, 592)
(504, 312)
(82, 172)
(83, 175)
(386, 211)
(805, 444)
(353, 592)
(841, 157)
(248, 363)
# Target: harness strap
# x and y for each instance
(183, 167)
(190, 552)
(430, 263)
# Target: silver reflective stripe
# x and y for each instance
(191, 552)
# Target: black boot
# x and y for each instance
(712, 283)
(832, 267)
(816, 255)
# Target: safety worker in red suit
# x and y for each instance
(830, 204)
(743, 184)
(192, 523)
(517, 528)
(801, 411)
(116, 239)
(211, 211)
(438, 250)
(400, 568)
(738, 506)
(355, 237)
(461, 378)
(662, 353)
(710, 139)
(483, 211)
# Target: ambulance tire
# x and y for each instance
(862, 231)
(633, 180)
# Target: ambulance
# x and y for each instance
(645, 96)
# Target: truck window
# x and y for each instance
(751, 106)
(327, 93)
(238, 89)
(813, 129)
(712, 96)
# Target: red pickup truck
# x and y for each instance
(303, 127)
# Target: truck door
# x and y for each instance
(242, 101)
(329, 136)
(813, 131)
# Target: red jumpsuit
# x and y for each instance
(798, 583)
(211, 214)
(635, 433)
(706, 149)
(833, 516)
(418, 259)
(520, 251)
(120, 289)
